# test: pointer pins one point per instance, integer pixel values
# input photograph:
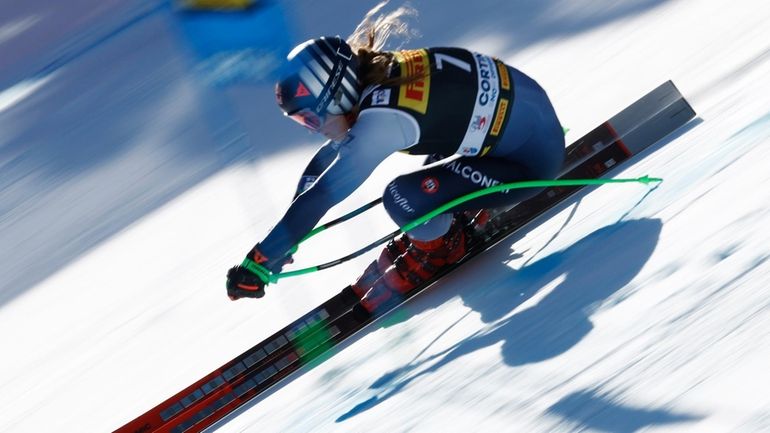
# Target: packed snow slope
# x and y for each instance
(127, 189)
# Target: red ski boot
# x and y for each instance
(421, 261)
(374, 271)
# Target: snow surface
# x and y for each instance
(127, 189)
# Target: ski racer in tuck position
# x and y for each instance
(438, 102)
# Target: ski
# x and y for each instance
(223, 391)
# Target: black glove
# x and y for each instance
(242, 283)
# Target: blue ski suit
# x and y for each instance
(480, 121)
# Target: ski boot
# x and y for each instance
(420, 262)
(394, 248)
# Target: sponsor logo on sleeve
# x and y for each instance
(381, 97)
(305, 182)
(414, 94)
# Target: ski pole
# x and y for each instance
(330, 224)
(269, 277)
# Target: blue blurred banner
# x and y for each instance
(235, 41)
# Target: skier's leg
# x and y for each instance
(442, 240)
(388, 255)
(413, 195)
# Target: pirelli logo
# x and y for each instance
(505, 80)
(414, 95)
(502, 108)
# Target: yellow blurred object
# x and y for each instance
(216, 4)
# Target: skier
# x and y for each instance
(438, 102)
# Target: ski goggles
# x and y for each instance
(308, 118)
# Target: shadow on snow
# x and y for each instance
(590, 410)
(592, 269)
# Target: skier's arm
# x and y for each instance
(377, 134)
(320, 162)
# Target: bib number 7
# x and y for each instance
(454, 61)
